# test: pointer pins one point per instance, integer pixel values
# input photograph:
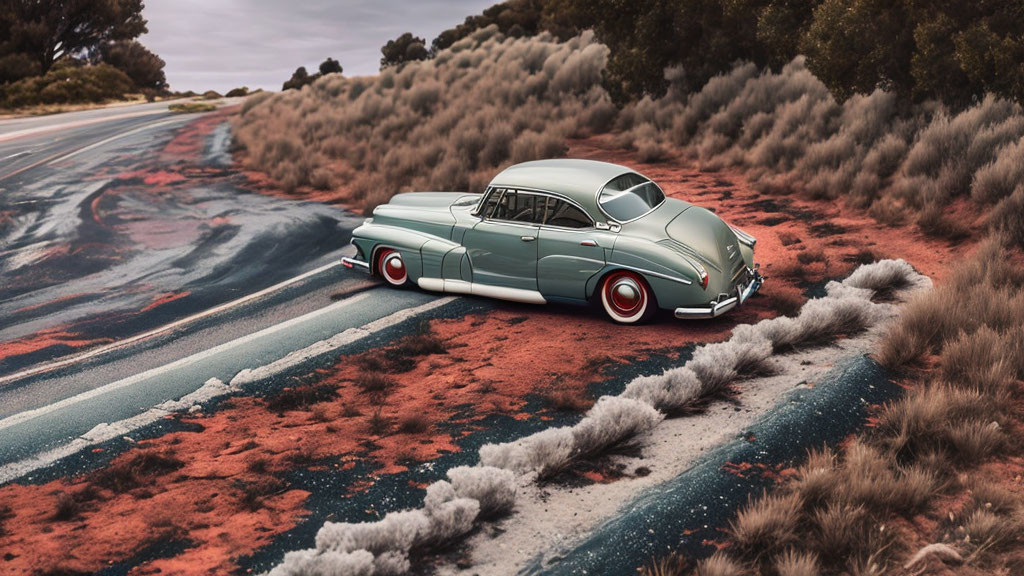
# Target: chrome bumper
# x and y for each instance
(354, 264)
(722, 306)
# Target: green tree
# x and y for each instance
(858, 45)
(405, 48)
(299, 79)
(144, 68)
(330, 66)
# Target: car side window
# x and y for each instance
(493, 196)
(516, 206)
(563, 214)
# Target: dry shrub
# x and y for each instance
(443, 124)
(255, 494)
(788, 238)
(1007, 217)
(375, 383)
(810, 256)
(379, 424)
(671, 565)
(793, 563)
(766, 525)
(136, 469)
(567, 401)
(300, 398)
(720, 564)
(413, 424)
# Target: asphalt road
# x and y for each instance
(271, 274)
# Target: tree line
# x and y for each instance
(74, 50)
(948, 50)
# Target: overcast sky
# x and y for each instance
(222, 44)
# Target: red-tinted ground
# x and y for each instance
(221, 491)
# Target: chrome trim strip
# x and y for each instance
(655, 274)
(742, 236)
(477, 289)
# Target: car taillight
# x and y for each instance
(703, 279)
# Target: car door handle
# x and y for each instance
(527, 238)
(588, 243)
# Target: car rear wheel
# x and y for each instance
(626, 297)
(391, 267)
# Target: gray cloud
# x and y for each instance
(221, 44)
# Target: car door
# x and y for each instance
(502, 247)
(570, 250)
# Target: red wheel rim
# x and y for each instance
(625, 296)
(391, 267)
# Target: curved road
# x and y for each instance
(135, 264)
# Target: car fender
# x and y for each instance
(370, 236)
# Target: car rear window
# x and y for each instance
(630, 196)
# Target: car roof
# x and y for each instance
(579, 180)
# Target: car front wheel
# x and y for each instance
(626, 297)
(391, 267)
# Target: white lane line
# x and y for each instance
(23, 417)
(104, 432)
(167, 327)
(115, 137)
(78, 124)
(17, 155)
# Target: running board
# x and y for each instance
(499, 292)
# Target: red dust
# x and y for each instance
(47, 339)
(165, 299)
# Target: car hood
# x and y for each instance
(429, 212)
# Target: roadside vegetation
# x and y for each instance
(74, 53)
(928, 484)
(453, 116)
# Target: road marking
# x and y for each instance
(107, 431)
(159, 330)
(17, 155)
(78, 124)
(61, 156)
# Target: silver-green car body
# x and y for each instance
(556, 231)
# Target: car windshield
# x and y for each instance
(630, 196)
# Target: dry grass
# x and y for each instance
(567, 401)
(413, 424)
(831, 517)
(379, 424)
(443, 124)
(301, 398)
(375, 383)
(191, 107)
(136, 469)
(767, 524)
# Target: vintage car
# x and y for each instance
(574, 231)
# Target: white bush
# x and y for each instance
(449, 521)
(330, 563)
(396, 531)
(493, 488)
(545, 452)
(673, 390)
(882, 275)
(718, 365)
(611, 421)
